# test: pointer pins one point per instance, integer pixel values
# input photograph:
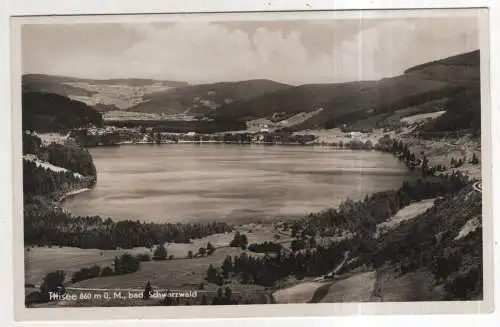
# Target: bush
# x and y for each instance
(210, 249)
(160, 253)
(86, 273)
(107, 271)
(53, 283)
(126, 264)
(239, 240)
(475, 159)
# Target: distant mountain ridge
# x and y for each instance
(424, 88)
(468, 59)
(345, 103)
(103, 94)
(149, 95)
(51, 79)
(204, 98)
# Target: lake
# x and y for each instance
(236, 183)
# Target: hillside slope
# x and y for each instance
(49, 112)
(204, 98)
(346, 103)
(105, 95)
(463, 112)
(445, 242)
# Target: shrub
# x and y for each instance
(210, 249)
(52, 283)
(202, 251)
(475, 159)
(239, 240)
(86, 273)
(160, 253)
(126, 264)
(107, 271)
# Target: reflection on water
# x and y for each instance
(178, 183)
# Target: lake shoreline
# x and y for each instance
(210, 178)
(72, 193)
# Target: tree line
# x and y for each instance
(44, 225)
(271, 268)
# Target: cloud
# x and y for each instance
(295, 52)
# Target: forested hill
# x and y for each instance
(347, 103)
(52, 170)
(465, 60)
(204, 98)
(49, 112)
(463, 112)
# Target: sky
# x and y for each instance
(289, 51)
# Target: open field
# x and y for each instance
(182, 275)
(256, 125)
(179, 273)
(357, 288)
(48, 138)
(422, 117)
(409, 212)
(120, 95)
(41, 260)
(335, 135)
(470, 226)
(300, 293)
(164, 274)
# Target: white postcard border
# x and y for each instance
(253, 310)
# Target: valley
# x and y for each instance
(348, 192)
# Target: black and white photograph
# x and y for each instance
(252, 159)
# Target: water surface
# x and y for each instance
(189, 182)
